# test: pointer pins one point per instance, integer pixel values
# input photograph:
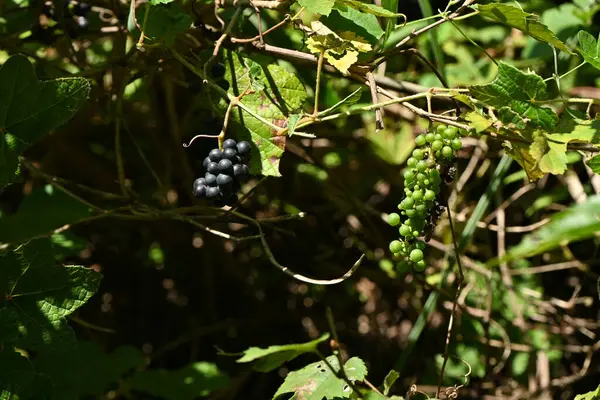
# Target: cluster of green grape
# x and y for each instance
(422, 204)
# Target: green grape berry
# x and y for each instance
(393, 219)
(420, 245)
(422, 166)
(407, 203)
(456, 144)
(430, 137)
(409, 175)
(441, 128)
(405, 230)
(419, 266)
(438, 137)
(437, 145)
(417, 195)
(411, 162)
(396, 246)
(420, 140)
(450, 132)
(421, 177)
(415, 256)
(429, 195)
(447, 152)
(410, 213)
(418, 154)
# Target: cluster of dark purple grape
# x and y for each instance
(226, 170)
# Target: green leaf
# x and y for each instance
(345, 18)
(29, 109)
(195, 380)
(292, 122)
(579, 222)
(392, 145)
(521, 152)
(16, 374)
(9, 325)
(164, 22)
(322, 7)
(39, 214)
(478, 121)
(589, 48)
(594, 164)
(389, 381)
(316, 381)
(593, 395)
(157, 2)
(520, 363)
(392, 6)
(368, 8)
(274, 356)
(349, 100)
(283, 95)
(376, 396)
(528, 23)
(85, 370)
(518, 91)
(43, 294)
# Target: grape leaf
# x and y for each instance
(283, 95)
(593, 395)
(85, 370)
(341, 50)
(390, 5)
(377, 396)
(579, 222)
(594, 164)
(368, 8)
(478, 121)
(348, 19)
(164, 22)
(316, 381)
(274, 356)
(39, 214)
(589, 48)
(42, 293)
(528, 23)
(389, 381)
(156, 2)
(521, 152)
(16, 375)
(322, 7)
(518, 91)
(29, 109)
(195, 380)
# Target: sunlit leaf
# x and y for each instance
(589, 48)
(594, 164)
(322, 7)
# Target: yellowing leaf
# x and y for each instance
(358, 42)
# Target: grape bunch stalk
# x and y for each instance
(429, 168)
(226, 170)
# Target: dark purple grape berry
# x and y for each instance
(206, 162)
(215, 155)
(243, 148)
(200, 191)
(223, 83)
(82, 9)
(225, 166)
(224, 180)
(230, 154)
(217, 70)
(229, 144)
(211, 179)
(199, 182)
(240, 171)
(212, 192)
(212, 167)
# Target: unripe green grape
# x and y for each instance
(421, 207)
(430, 137)
(416, 255)
(407, 191)
(417, 195)
(438, 153)
(393, 219)
(420, 245)
(417, 187)
(418, 154)
(422, 166)
(456, 144)
(426, 182)
(405, 230)
(421, 177)
(411, 162)
(420, 140)
(409, 175)
(410, 213)
(416, 233)
(441, 128)
(434, 175)
(396, 246)
(437, 145)
(447, 152)
(438, 137)
(429, 194)
(407, 203)
(419, 266)
(450, 132)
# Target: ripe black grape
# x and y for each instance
(226, 169)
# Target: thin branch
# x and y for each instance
(378, 111)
